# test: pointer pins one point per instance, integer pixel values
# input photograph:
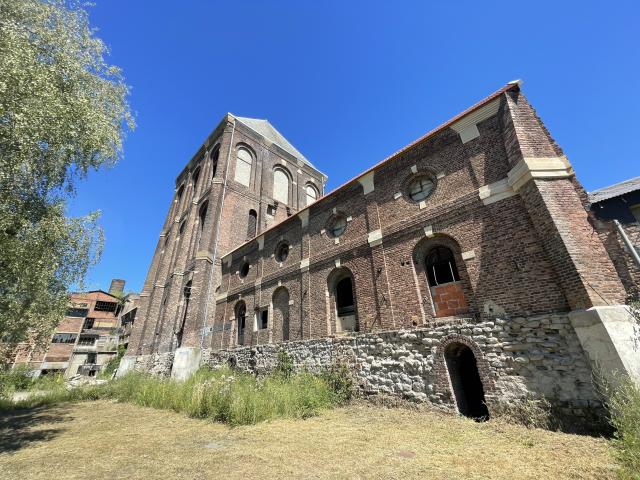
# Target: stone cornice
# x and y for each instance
(538, 167)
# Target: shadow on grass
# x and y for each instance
(19, 428)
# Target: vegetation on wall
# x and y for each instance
(63, 113)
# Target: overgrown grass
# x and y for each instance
(22, 379)
(624, 408)
(221, 395)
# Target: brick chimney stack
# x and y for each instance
(117, 286)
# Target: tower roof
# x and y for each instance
(268, 131)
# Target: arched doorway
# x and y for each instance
(241, 321)
(465, 381)
(342, 289)
(280, 303)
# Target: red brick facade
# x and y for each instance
(505, 203)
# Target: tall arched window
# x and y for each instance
(195, 176)
(281, 186)
(241, 321)
(244, 161)
(312, 194)
(252, 224)
(202, 216)
(215, 154)
(441, 266)
(186, 292)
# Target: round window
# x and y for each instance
(282, 252)
(244, 270)
(337, 226)
(420, 188)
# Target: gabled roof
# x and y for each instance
(268, 131)
(616, 190)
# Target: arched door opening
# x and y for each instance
(465, 381)
(444, 282)
(281, 311)
(345, 305)
(187, 296)
(241, 321)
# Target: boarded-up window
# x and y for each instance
(312, 194)
(280, 186)
(243, 167)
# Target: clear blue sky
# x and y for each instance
(348, 83)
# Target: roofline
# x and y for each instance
(509, 86)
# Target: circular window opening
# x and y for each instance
(420, 188)
(282, 252)
(244, 270)
(337, 226)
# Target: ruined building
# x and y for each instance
(462, 269)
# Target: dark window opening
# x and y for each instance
(465, 380)
(344, 298)
(181, 229)
(91, 358)
(420, 188)
(88, 323)
(77, 312)
(215, 154)
(441, 267)
(241, 316)
(252, 224)
(64, 338)
(194, 179)
(202, 216)
(244, 270)
(263, 319)
(187, 295)
(271, 210)
(282, 252)
(87, 341)
(105, 306)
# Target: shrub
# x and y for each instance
(623, 403)
(530, 411)
(340, 381)
(284, 365)
(21, 378)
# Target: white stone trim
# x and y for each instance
(496, 191)
(337, 263)
(538, 167)
(397, 195)
(423, 204)
(304, 265)
(467, 127)
(367, 182)
(204, 255)
(414, 169)
(440, 175)
(260, 242)
(375, 238)
(428, 231)
(468, 255)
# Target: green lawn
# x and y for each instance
(105, 439)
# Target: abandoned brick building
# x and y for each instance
(462, 269)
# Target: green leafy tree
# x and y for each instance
(63, 113)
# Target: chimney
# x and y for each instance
(117, 286)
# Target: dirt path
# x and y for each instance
(106, 440)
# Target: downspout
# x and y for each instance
(215, 246)
(627, 242)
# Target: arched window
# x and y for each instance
(341, 289)
(186, 292)
(241, 320)
(441, 266)
(420, 188)
(337, 225)
(215, 154)
(244, 161)
(194, 179)
(252, 224)
(344, 297)
(312, 194)
(281, 186)
(202, 216)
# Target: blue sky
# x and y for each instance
(349, 83)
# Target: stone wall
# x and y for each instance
(538, 355)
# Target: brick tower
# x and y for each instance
(244, 178)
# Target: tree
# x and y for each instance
(63, 113)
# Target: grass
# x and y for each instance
(220, 395)
(112, 440)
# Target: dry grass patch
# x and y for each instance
(111, 440)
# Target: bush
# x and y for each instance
(112, 364)
(623, 403)
(22, 378)
(529, 411)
